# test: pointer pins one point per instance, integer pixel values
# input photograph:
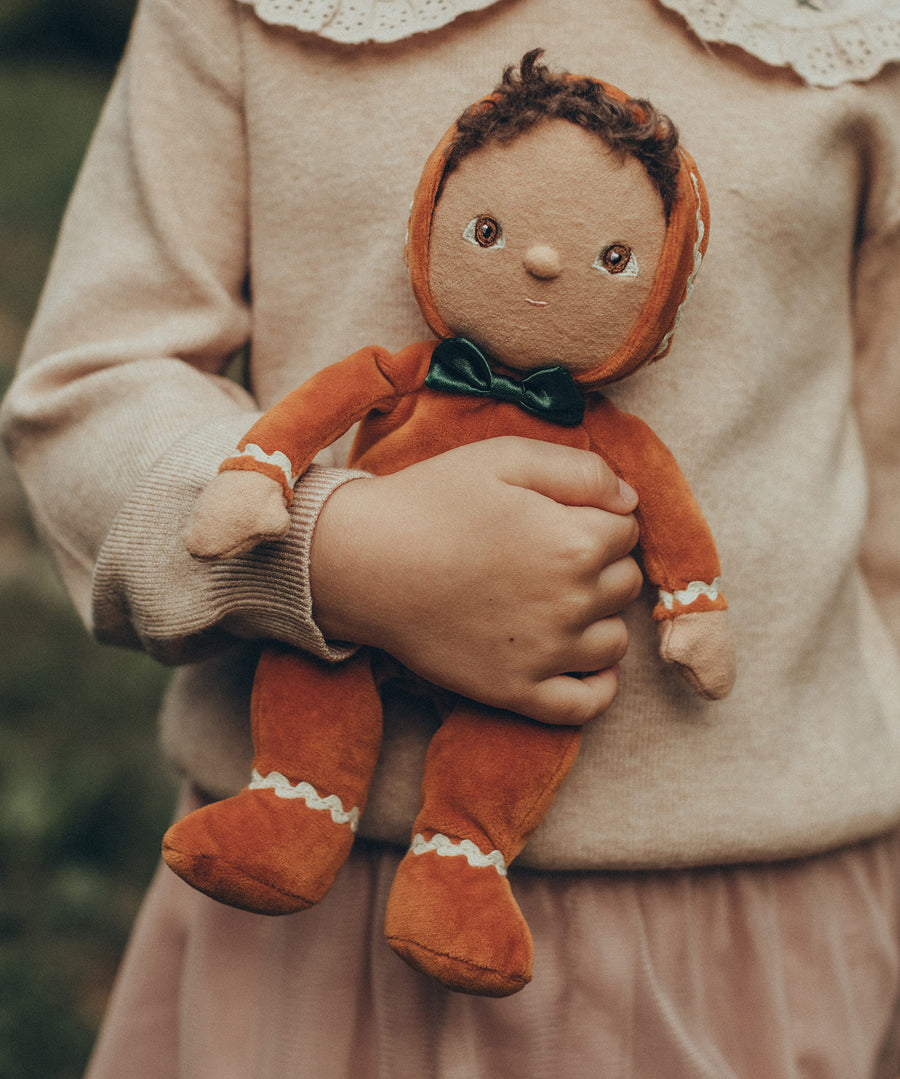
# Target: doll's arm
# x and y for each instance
(282, 442)
(247, 503)
(678, 555)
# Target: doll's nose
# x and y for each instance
(542, 261)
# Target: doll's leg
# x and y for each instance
(489, 780)
(277, 846)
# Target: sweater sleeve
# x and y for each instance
(119, 415)
(876, 295)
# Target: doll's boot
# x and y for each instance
(489, 780)
(277, 846)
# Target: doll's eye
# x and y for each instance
(618, 258)
(485, 231)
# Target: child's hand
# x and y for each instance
(492, 570)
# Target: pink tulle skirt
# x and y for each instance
(757, 972)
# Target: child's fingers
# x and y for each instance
(594, 540)
(570, 476)
(602, 645)
(619, 584)
(567, 701)
(608, 593)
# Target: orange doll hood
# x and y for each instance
(686, 239)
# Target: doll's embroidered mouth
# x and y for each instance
(536, 303)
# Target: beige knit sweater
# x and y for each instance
(249, 183)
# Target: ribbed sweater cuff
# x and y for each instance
(149, 593)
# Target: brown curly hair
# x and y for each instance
(534, 93)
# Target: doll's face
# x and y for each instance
(544, 249)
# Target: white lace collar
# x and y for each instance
(355, 21)
(827, 42)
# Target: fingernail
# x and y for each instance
(627, 493)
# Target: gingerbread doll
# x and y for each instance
(553, 241)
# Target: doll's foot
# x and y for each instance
(452, 916)
(261, 851)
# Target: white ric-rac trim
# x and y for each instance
(440, 844)
(278, 459)
(684, 597)
(283, 787)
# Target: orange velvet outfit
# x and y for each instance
(490, 776)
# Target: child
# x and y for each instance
(735, 906)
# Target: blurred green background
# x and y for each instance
(84, 796)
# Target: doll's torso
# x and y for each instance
(426, 422)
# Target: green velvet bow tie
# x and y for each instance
(458, 366)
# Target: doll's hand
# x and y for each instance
(236, 511)
(493, 570)
(702, 648)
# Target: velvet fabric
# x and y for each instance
(261, 850)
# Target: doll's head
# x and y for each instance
(534, 94)
(558, 222)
